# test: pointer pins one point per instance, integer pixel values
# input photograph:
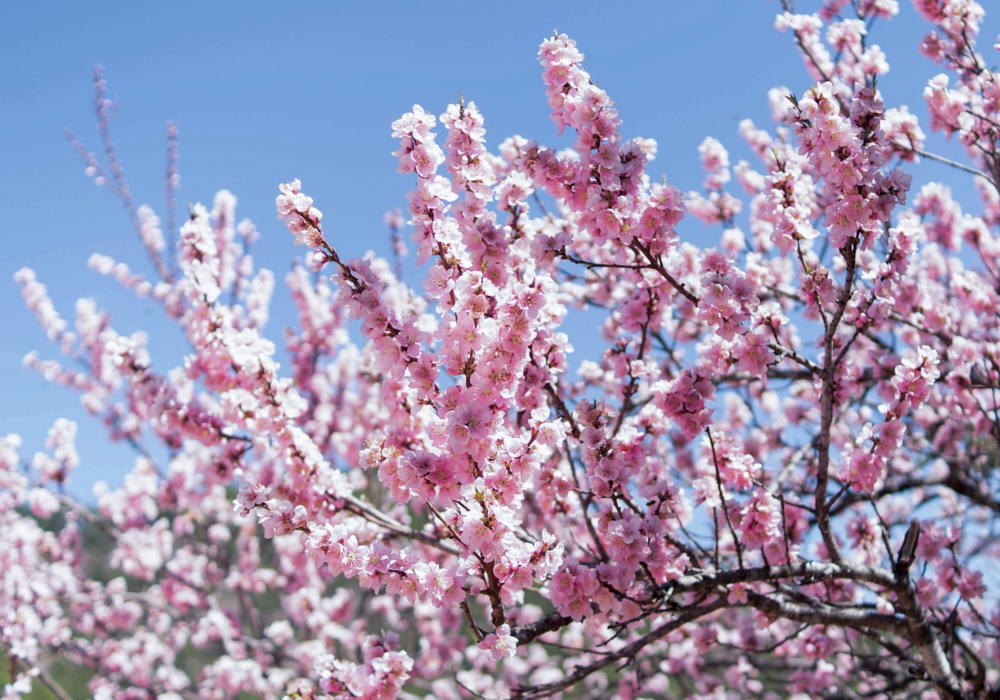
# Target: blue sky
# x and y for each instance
(264, 92)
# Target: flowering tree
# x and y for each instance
(778, 480)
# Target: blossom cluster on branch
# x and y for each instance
(776, 478)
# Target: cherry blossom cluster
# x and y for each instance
(912, 381)
(847, 152)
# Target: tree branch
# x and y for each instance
(627, 652)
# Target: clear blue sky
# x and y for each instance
(264, 92)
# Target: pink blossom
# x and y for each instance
(280, 518)
(760, 520)
(754, 354)
(500, 643)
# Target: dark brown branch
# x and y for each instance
(822, 614)
(626, 652)
(811, 571)
(782, 351)
(531, 631)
